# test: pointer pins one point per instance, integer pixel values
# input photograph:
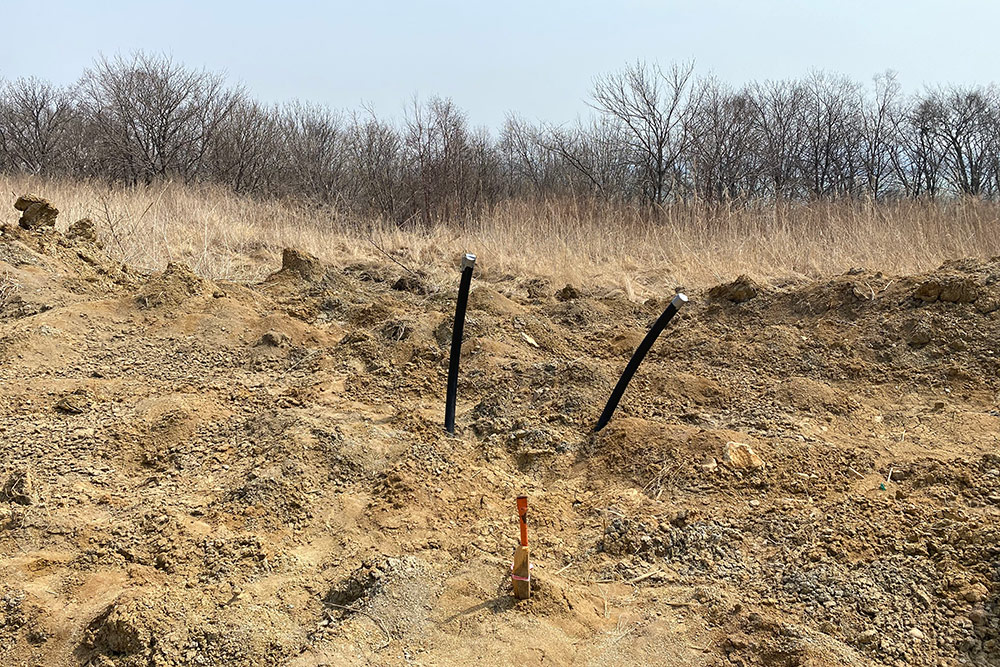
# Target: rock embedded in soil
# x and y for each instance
(568, 293)
(274, 339)
(74, 403)
(987, 305)
(740, 290)
(82, 230)
(948, 289)
(742, 457)
(920, 333)
(975, 593)
(868, 636)
(709, 464)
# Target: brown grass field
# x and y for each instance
(222, 235)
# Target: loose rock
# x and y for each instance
(36, 212)
(741, 456)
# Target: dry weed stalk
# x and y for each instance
(9, 288)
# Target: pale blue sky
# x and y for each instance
(538, 58)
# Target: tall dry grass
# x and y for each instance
(222, 235)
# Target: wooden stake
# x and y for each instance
(521, 570)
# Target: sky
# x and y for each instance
(537, 58)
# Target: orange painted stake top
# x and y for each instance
(522, 513)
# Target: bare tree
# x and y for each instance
(245, 153)
(656, 136)
(152, 116)
(919, 156)
(777, 111)
(438, 145)
(877, 135)
(596, 158)
(963, 120)
(36, 120)
(651, 105)
(724, 151)
(830, 135)
(314, 139)
(527, 163)
(376, 156)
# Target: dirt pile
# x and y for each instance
(203, 472)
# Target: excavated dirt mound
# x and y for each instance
(208, 473)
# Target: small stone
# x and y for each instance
(916, 633)
(987, 305)
(920, 333)
(741, 456)
(924, 598)
(75, 403)
(976, 593)
(709, 464)
(899, 474)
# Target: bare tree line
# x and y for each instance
(655, 137)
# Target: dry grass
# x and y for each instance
(222, 235)
(9, 287)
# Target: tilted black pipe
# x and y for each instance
(468, 262)
(637, 357)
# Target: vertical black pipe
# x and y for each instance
(468, 262)
(637, 357)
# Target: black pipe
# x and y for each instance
(637, 357)
(468, 262)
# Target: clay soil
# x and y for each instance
(211, 473)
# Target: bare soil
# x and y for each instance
(213, 473)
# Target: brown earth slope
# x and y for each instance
(199, 473)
